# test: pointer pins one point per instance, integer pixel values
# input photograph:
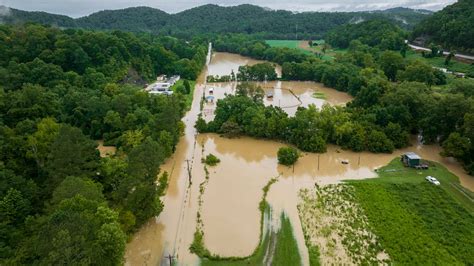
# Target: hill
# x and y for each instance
(273, 24)
(452, 27)
(14, 16)
(139, 19)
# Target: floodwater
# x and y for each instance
(289, 95)
(224, 63)
(230, 202)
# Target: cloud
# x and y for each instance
(4, 11)
(77, 8)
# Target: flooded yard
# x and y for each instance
(230, 214)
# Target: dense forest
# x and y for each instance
(378, 33)
(60, 91)
(248, 19)
(452, 27)
(394, 97)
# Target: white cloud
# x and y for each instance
(78, 8)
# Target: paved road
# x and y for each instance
(463, 56)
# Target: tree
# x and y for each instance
(287, 156)
(144, 160)
(14, 208)
(72, 154)
(80, 231)
(230, 129)
(378, 142)
(40, 142)
(391, 62)
(72, 186)
(456, 146)
(187, 86)
(447, 61)
(421, 72)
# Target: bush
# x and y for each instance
(287, 156)
(230, 129)
(211, 160)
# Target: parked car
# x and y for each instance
(432, 180)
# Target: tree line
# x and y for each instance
(60, 91)
(214, 19)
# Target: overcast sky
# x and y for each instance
(77, 8)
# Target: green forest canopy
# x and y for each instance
(59, 92)
(452, 27)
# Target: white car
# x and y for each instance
(432, 180)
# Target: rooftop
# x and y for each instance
(412, 156)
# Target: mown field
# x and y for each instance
(418, 222)
(283, 43)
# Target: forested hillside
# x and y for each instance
(273, 24)
(452, 27)
(379, 33)
(60, 92)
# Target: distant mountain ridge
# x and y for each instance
(218, 19)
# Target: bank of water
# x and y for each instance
(229, 209)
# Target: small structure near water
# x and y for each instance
(413, 160)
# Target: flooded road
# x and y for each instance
(230, 212)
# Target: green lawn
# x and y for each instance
(416, 221)
(189, 97)
(283, 43)
(395, 172)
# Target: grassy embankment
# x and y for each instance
(454, 65)
(278, 248)
(418, 222)
(188, 97)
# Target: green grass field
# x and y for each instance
(395, 172)
(416, 221)
(283, 43)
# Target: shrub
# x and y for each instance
(211, 160)
(287, 156)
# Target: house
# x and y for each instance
(161, 86)
(411, 159)
(174, 79)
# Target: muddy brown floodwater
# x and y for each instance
(230, 203)
(224, 63)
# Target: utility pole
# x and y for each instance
(170, 258)
(318, 161)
